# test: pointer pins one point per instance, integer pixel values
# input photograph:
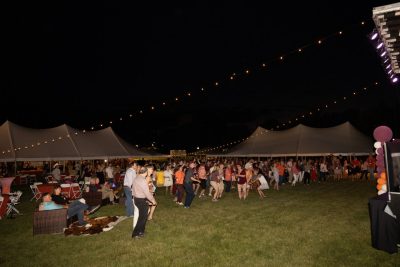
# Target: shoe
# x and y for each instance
(180, 203)
(186, 207)
(136, 236)
(85, 224)
(214, 200)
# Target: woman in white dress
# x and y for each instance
(263, 182)
(168, 182)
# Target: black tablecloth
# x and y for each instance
(385, 230)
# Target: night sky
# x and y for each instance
(85, 64)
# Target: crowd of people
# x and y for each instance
(184, 180)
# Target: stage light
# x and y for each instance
(390, 71)
(391, 76)
(395, 80)
(379, 45)
(383, 54)
(386, 60)
(373, 37)
(388, 66)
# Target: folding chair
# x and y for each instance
(75, 191)
(14, 200)
(66, 190)
(50, 179)
(35, 191)
(4, 205)
(45, 188)
(86, 183)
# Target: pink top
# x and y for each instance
(140, 189)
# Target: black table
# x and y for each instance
(385, 230)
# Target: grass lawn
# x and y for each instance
(318, 225)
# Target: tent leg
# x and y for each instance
(15, 168)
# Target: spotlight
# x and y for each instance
(394, 80)
(373, 37)
(383, 54)
(379, 45)
(391, 76)
(390, 71)
(386, 60)
(388, 66)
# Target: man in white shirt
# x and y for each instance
(130, 176)
(109, 172)
(56, 172)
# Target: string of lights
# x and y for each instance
(234, 76)
(245, 72)
(300, 117)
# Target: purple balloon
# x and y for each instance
(380, 169)
(380, 163)
(380, 151)
(383, 134)
(380, 156)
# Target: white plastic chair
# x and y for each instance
(14, 200)
(35, 191)
(75, 191)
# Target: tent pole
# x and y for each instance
(80, 170)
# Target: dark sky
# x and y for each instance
(86, 63)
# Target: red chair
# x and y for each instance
(4, 205)
(66, 190)
(45, 188)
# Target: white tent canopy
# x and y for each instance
(302, 140)
(19, 143)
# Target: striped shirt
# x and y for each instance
(130, 176)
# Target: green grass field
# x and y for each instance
(318, 225)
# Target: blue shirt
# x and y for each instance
(51, 205)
